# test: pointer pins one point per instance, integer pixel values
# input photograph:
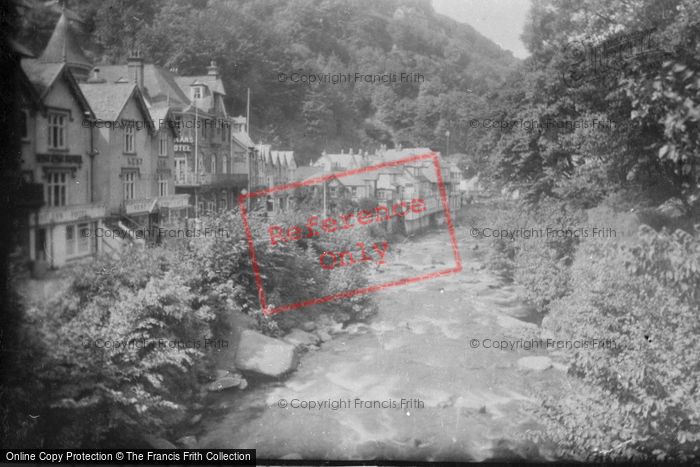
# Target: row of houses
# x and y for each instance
(112, 154)
(386, 186)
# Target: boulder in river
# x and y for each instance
(226, 382)
(323, 336)
(265, 355)
(301, 338)
(535, 363)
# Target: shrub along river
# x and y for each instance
(415, 382)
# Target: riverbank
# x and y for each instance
(467, 402)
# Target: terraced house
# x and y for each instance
(58, 157)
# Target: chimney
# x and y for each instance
(95, 77)
(135, 63)
(213, 69)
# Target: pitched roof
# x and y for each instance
(286, 157)
(159, 84)
(161, 115)
(44, 75)
(243, 139)
(41, 75)
(212, 82)
(394, 154)
(340, 160)
(306, 172)
(357, 179)
(108, 99)
(63, 47)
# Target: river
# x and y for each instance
(475, 403)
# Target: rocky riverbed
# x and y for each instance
(416, 382)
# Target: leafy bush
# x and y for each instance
(121, 355)
(290, 270)
(645, 298)
(539, 262)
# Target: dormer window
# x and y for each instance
(197, 92)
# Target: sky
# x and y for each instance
(501, 21)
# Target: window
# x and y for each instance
(213, 164)
(129, 134)
(70, 240)
(354, 191)
(162, 185)
(178, 125)
(205, 123)
(80, 243)
(163, 143)
(197, 92)
(56, 188)
(129, 181)
(57, 130)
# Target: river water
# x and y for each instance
(475, 403)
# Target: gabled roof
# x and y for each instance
(63, 47)
(306, 172)
(109, 99)
(20, 50)
(44, 75)
(212, 82)
(394, 154)
(286, 157)
(357, 179)
(162, 117)
(159, 84)
(243, 139)
(430, 174)
(340, 160)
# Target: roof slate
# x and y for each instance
(107, 99)
(63, 46)
(159, 84)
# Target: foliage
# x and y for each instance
(643, 297)
(310, 37)
(125, 345)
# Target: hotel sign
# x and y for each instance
(183, 144)
(58, 159)
(174, 201)
(66, 214)
(140, 205)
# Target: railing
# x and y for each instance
(71, 213)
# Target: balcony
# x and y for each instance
(49, 215)
(207, 179)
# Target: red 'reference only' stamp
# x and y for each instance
(410, 209)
